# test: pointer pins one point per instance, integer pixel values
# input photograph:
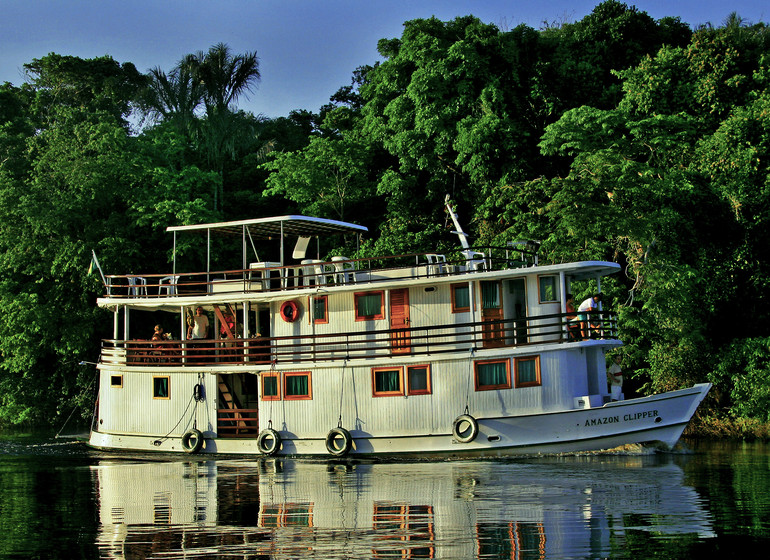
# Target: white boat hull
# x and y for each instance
(658, 419)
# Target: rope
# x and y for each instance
(468, 383)
(342, 392)
(88, 388)
(160, 441)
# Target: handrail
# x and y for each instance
(287, 277)
(462, 337)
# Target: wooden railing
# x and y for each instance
(458, 337)
(234, 422)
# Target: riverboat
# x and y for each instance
(471, 354)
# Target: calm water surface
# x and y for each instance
(61, 500)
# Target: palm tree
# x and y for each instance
(215, 80)
(224, 76)
(175, 97)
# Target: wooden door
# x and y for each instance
(400, 341)
(492, 328)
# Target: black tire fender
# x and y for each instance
(268, 442)
(335, 446)
(465, 428)
(192, 441)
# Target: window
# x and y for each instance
(286, 515)
(490, 295)
(116, 381)
(461, 298)
(387, 382)
(403, 530)
(418, 380)
(270, 389)
(547, 289)
(527, 371)
(320, 309)
(492, 374)
(369, 306)
(160, 387)
(296, 386)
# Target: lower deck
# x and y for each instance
(385, 398)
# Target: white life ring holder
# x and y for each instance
(268, 442)
(333, 446)
(289, 311)
(462, 434)
(192, 441)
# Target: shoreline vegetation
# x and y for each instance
(616, 137)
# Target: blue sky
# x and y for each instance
(307, 48)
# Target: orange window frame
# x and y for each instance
(397, 393)
(277, 396)
(428, 389)
(506, 385)
(305, 397)
(517, 383)
(311, 302)
(380, 315)
(457, 308)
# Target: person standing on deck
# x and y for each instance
(198, 329)
(615, 378)
(200, 326)
(589, 305)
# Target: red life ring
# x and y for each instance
(289, 311)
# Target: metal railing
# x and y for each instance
(333, 272)
(456, 337)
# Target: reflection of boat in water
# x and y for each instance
(575, 507)
(472, 355)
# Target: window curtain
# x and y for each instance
(492, 374)
(527, 371)
(369, 305)
(319, 309)
(296, 385)
(490, 295)
(387, 381)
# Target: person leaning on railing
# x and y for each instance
(573, 324)
(587, 315)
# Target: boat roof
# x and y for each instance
(263, 228)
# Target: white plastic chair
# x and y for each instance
(313, 271)
(343, 270)
(170, 288)
(137, 286)
(436, 264)
(475, 261)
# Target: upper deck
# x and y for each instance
(293, 273)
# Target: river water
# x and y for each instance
(61, 500)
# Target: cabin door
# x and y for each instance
(401, 339)
(492, 328)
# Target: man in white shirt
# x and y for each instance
(200, 327)
(615, 378)
(589, 305)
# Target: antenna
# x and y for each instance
(459, 230)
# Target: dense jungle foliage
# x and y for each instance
(616, 137)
